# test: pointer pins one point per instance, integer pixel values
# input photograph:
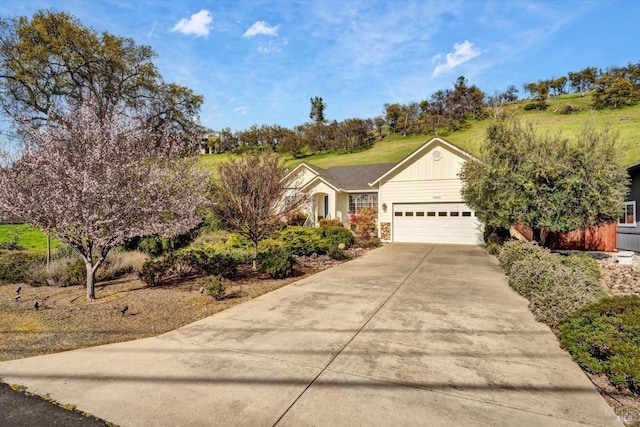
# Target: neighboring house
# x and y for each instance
(628, 230)
(417, 199)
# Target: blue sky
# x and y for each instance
(261, 61)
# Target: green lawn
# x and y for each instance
(27, 236)
(626, 121)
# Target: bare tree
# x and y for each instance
(250, 197)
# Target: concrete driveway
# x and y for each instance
(406, 335)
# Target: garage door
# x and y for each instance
(436, 223)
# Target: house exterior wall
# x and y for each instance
(426, 180)
(342, 207)
(304, 176)
(629, 237)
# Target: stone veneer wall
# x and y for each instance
(385, 231)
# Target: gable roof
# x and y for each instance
(419, 152)
(354, 178)
(346, 178)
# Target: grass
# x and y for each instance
(395, 147)
(26, 236)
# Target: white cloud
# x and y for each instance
(199, 24)
(261, 27)
(462, 53)
(272, 47)
(242, 110)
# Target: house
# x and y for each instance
(628, 230)
(417, 199)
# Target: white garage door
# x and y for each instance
(436, 223)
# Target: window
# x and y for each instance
(442, 214)
(419, 213)
(455, 213)
(466, 213)
(359, 201)
(408, 214)
(397, 214)
(628, 218)
(431, 214)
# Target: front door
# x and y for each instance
(326, 206)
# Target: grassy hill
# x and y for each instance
(395, 147)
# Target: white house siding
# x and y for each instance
(304, 176)
(342, 207)
(426, 168)
(427, 180)
(435, 191)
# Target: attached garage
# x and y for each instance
(435, 223)
(420, 200)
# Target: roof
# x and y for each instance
(417, 153)
(633, 166)
(362, 178)
(349, 178)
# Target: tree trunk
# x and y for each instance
(254, 265)
(91, 276)
(91, 293)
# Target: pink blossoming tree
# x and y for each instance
(96, 178)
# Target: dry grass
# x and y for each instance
(66, 320)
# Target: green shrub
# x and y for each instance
(570, 290)
(75, 274)
(530, 106)
(583, 263)
(533, 273)
(497, 235)
(199, 260)
(555, 285)
(214, 285)
(156, 245)
(604, 338)
(207, 260)
(333, 236)
(277, 263)
(515, 250)
(370, 243)
(15, 265)
(338, 254)
(211, 238)
(297, 218)
(330, 223)
(302, 241)
(154, 270)
(493, 248)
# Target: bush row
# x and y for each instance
(200, 260)
(67, 269)
(15, 265)
(555, 285)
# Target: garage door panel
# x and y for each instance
(435, 223)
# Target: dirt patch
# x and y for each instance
(65, 320)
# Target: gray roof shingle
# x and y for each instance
(353, 178)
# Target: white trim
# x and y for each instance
(624, 215)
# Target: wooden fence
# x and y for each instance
(601, 238)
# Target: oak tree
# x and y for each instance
(51, 59)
